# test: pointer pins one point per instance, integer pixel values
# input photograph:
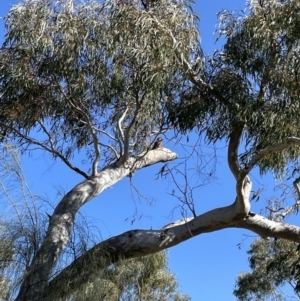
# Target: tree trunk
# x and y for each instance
(62, 220)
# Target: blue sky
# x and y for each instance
(206, 266)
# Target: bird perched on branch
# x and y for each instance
(158, 143)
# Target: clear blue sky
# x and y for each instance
(206, 266)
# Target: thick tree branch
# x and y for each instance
(243, 185)
(234, 142)
(136, 243)
(243, 190)
(62, 220)
(267, 228)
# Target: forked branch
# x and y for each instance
(93, 134)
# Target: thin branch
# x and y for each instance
(93, 133)
(127, 131)
(288, 211)
(105, 133)
(112, 148)
(114, 139)
(51, 150)
(193, 77)
(293, 208)
(288, 142)
(47, 133)
(90, 127)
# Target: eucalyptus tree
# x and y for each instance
(274, 272)
(82, 78)
(22, 228)
(106, 78)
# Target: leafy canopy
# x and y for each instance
(274, 264)
(75, 71)
(252, 84)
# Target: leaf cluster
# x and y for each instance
(71, 71)
(253, 83)
(273, 265)
(144, 278)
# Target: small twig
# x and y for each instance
(112, 148)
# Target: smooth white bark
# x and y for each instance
(136, 243)
(142, 242)
(62, 220)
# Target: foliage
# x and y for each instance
(23, 222)
(22, 227)
(273, 264)
(104, 78)
(144, 278)
(76, 72)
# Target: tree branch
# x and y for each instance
(267, 228)
(120, 124)
(244, 184)
(232, 156)
(136, 243)
(51, 150)
(138, 104)
(92, 131)
(112, 149)
(288, 142)
(294, 208)
(62, 220)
